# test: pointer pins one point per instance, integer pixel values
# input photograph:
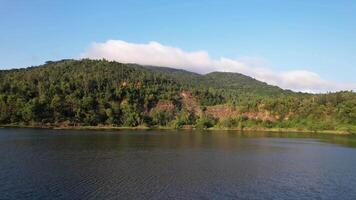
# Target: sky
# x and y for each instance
(304, 45)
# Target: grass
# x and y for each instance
(107, 127)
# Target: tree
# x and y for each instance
(205, 122)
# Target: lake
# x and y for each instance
(139, 164)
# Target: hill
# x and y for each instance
(99, 92)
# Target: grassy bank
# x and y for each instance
(106, 127)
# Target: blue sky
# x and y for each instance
(317, 36)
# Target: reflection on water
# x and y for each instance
(64, 164)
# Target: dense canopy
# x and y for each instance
(99, 92)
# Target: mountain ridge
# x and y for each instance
(93, 92)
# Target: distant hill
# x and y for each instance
(221, 80)
(99, 92)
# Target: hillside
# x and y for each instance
(88, 92)
(221, 80)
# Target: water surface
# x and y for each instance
(66, 164)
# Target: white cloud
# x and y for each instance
(157, 54)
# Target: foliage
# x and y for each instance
(93, 92)
(205, 122)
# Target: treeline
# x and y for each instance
(88, 92)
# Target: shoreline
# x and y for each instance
(271, 130)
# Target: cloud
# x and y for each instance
(154, 53)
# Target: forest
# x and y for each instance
(75, 93)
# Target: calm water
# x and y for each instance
(62, 164)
